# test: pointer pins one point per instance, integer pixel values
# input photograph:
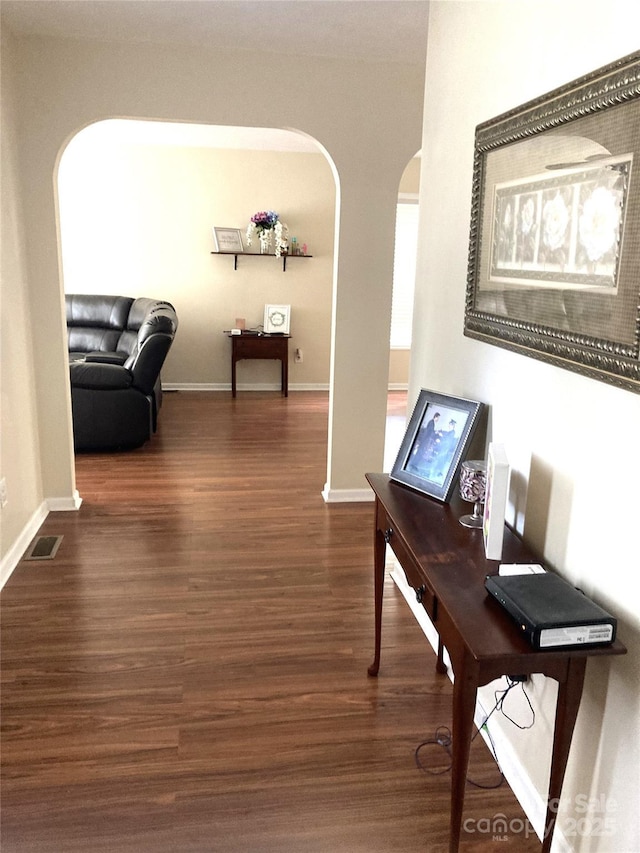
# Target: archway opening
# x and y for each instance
(138, 202)
(404, 274)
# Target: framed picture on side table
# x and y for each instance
(435, 442)
(228, 240)
(277, 319)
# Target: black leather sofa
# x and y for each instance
(117, 346)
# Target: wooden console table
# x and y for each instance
(444, 562)
(251, 345)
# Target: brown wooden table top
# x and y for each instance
(453, 560)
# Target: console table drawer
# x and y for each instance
(415, 578)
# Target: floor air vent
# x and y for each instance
(43, 548)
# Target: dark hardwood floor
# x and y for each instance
(189, 673)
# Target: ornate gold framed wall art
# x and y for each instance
(554, 251)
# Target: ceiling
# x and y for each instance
(375, 30)
(367, 30)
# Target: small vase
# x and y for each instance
(265, 242)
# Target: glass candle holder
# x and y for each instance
(473, 487)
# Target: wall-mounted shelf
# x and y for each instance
(284, 258)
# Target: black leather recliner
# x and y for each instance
(117, 346)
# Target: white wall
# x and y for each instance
(19, 451)
(137, 219)
(366, 115)
(571, 440)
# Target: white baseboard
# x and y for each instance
(270, 386)
(31, 528)
(14, 554)
(533, 805)
(70, 504)
(249, 386)
(336, 496)
(309, 386)
(196, 386)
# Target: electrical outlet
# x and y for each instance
(3, 493)
(298, 356)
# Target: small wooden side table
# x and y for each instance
(253, 345)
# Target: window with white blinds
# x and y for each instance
(404, 274)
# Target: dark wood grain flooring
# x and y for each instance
(190, 672)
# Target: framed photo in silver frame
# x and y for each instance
(435, 443)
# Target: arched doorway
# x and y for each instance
(404, 271)
(137, 203)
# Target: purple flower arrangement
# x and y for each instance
(272, 233)
(265, 220)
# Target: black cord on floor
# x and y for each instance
(442, 736)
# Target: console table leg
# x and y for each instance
(568, 702)
(465, 687)
(379, 550)
(441, 667)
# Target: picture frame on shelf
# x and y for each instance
(228, 240)
(436, 440)
(277, 319)
(553, 260)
